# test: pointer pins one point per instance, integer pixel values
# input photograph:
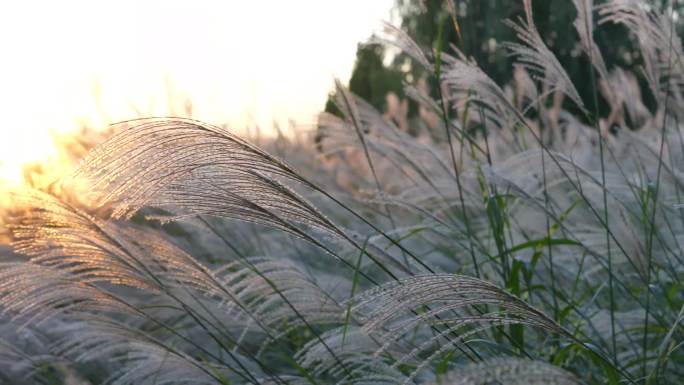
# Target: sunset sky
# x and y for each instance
(69, 63)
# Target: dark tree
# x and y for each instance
(482, 33)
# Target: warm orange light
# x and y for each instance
(71, 63)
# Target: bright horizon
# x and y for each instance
(74, 63)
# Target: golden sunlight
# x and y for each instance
(73, 64)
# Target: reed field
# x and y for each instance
(516, 235)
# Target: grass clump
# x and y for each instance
(522, 243)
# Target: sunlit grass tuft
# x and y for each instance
(513, 243)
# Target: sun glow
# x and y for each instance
(70, 64)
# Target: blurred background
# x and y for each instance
(71, 68)
(67, 65)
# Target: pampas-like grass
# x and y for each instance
(533, 54)
(513, 243)
(510, 371)
(197, 167)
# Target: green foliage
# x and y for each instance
(482, 37)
